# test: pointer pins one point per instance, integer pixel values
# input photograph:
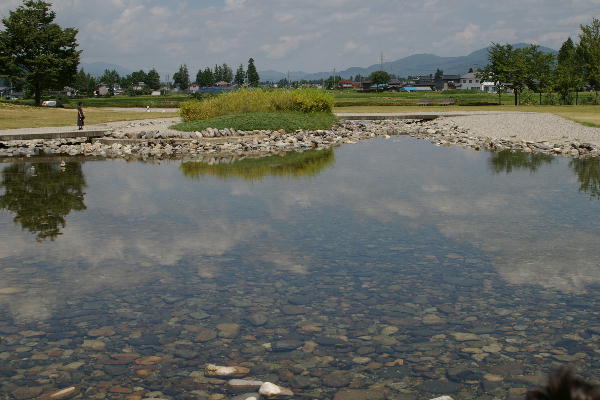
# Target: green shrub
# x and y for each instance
(257, 100)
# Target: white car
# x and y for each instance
(49, 103)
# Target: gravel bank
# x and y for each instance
(532, 127)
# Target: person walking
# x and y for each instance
(80, 115)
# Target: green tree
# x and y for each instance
(588, 54)
(332, 81)
(181, 78)
(379, 77)
(138, 77)
(205, 78)
(252, 74)
(41, 195)
(152, 79)
(507, 66)
(85, 84)
(218, 73)
(439, 74)
(227, 73)
(568, 76)
(540, 68)
(240, 76)
(37, 51)
(111, 79)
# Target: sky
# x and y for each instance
(306, 35)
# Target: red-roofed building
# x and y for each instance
(347, 84)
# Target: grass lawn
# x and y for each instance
(15, 116)
(288, 121)
(169, 101)
(585, 115)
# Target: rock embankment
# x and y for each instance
(146, 140)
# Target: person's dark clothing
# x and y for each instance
(80, 117)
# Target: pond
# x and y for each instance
(389, 265)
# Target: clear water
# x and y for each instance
(389, 265)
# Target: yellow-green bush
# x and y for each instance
(257, 100)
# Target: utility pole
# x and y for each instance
(333, 78)
(381, 61)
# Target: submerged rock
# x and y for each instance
(212, 370)
(272, 391)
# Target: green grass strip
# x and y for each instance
(288, 121)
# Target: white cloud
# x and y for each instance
(287, 44)
(235, 4)
(353, 47)
(277, 33)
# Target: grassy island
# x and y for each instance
(288, 121)
(255, 109)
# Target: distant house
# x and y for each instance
(138, 87)
(347, 84)
(395, 84)
(447, 82)
(68, 91)
(102, 89)
(222, 84)
(470, 81)
(491, 87)
(193, 87)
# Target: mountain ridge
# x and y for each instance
(415, 64)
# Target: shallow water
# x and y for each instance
(392, 265)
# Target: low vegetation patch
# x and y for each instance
(288, 121)
(258, 100)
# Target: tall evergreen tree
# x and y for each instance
(252, 74)
(37, 51)
(205, 78)
(240, 75)
(152, 79)
(227, 73)
(568, 76)
(181, 78)
(85, 84)
(588, 54)
(218, 73)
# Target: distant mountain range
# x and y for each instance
(417, 64)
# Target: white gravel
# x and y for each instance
(533, 127)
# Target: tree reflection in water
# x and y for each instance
(41, 195)
(588, 173)
(507, 160)
(308, 163)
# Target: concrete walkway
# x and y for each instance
(99, 130)
(58, 132)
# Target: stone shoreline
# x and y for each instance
(146, 140)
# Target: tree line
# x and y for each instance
(136, 83)
(220, 73)
(575, 68)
